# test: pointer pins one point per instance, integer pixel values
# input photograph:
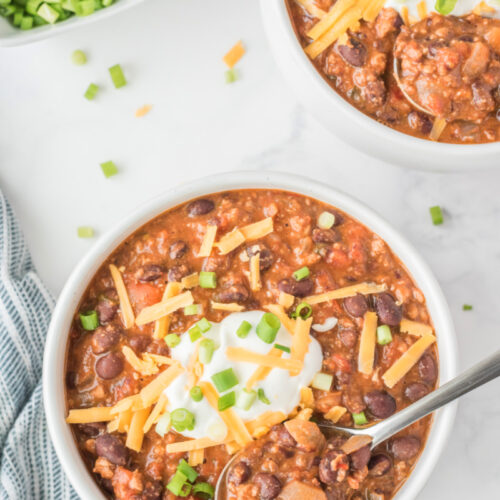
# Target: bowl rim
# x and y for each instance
(327, 94)
(55, 348)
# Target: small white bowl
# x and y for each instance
(11, 36)
(351, 125)
(55, 349)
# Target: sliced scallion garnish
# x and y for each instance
(117, 76)
(384, 335)
(89, 320)
(224, 380)
(182, 419)
(207, 279)
(245, 399)
(301, 273)
(268, 327)
(226, 401)
(262, 397)
(244, 329)
(206, 351)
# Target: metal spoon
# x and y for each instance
(479, 374)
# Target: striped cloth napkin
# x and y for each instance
(29, 468)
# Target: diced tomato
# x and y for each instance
(341, 363)
(143, 294)
(337, 258)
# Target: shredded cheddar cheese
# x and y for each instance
(335, 413)
(278, 310)
(90, 415)
(232, 306)
(143, 110)
(262, 371)
(415, 328)
(255, 283)
(348, 291)
(126, 310)
(367, 343)
(190, 281)
(258, 229)
(163, 324)
(234, 55)
(300, 342)
(164, 308)
(286, 300)
(245, 355)
(230, 241)
(208, 241)
(135, 434)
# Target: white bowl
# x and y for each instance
(11, 36)
(55, 349)
(351, 125)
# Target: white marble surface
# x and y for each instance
(52, 141)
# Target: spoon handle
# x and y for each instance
(477, 375)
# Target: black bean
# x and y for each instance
(360, 458)
(176, 273)
(380, 403)
(106, 310)
(325, 235)
(296, 288)
(427, 369)
(406, 447)
(327, 474)
(150, 272)
(356, 306)
(240, 473)
(109, 366)
(379, 465)
(348, 337)
(139, 343)
(200, 207)
(388, 311)
(269, 485)
(178, 249)
(111, 448)
(416, 391)
(233, 293)
(279, 434)
(266, 257)
(354, 53)
(104, 338)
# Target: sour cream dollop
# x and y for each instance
(282, 390)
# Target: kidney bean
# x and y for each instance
(354, 53)
(139, 343)
(268, 484)
(109, 366)
(406, 447)
(200, 207)
(379, 465)
(279, 434)
(388, 311)
(427, 369)
(111, 448)
(360, 458)
(296, 288)
(233, 293)
(380, 403)
(104, 338)
(356, 306)
(149, 272)
(176, 273)
(266, 257)
(325, 235)
(416, 391)
(327, 474)
(178, 249)
(106, 310)
(348, 337)
(240, 473)
(93, 429)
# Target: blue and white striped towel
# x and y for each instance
(29, 468)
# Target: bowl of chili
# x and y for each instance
(82, 364)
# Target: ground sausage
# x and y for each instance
(104, 338)
(348, 337)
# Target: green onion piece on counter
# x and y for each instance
(244, 329)
(436, 215)
(301, 273)
(172, 340)
(384, 335)
(224, 380)
(179, 485)
(207, 279)
(109, 169)
(268, 327)
(187, 470)
(283, 348)
(91, 91)
(191, 310)
(467, 307)
(326, 220)
(182, 419)
(194, 333)
(26, 23)
(322, 381)
(196, 393)
(445, 7)
(47, 13)
(89, 320)
(163, 424)
(226, 401)
(206, 351)
(117, 76)
(85, 232)
(245, 399)
(204, 325)
(231, 75)
(359, 418)
(78, 57)
(262, 397)
(203, 490)
(303, 310)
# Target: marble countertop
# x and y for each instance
(52, 141)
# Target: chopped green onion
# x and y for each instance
(163, 424)
(322, 381)
(85, 232)
(47, 13)
(359, 418)
(231, 75)
(224, 380)
(78, 57)
(384, 335)
(182, 419)
(117, 76)
(85, 8)
(172, 340)
(262, 397)
(326, 220)
(207, 279)
(204, 325)
(303, 310)
(18, 17)
(187, 470)
(89, 320)
(32, 6)
(436, 215)
(268, 327)
(283, 348)
(91, 91)
(191, 310)
(245, 399)
(109, 169)
(226, 401)
(244, 329)
(179, 485)
(445, 7)
(26, 23)
(203, 490)
(301, 273)
(206, 351)
(194, 333)
(467, 307)
(196, 393)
